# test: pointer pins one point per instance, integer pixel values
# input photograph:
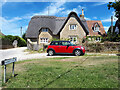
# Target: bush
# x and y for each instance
(23, 36)
(10, 39)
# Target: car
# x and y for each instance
(64, 47)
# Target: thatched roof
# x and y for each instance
(55, 24)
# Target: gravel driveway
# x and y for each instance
(21, 55)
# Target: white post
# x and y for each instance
(4, 73)
(13, 70)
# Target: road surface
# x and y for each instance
(21, 55)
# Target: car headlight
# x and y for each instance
(82, 47)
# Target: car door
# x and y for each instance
(56, 47)
(69, 48)
(62, 47)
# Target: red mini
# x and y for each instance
(64, 47)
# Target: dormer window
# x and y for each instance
(44, 29)
(96, 27)
(73, 26)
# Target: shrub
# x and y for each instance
(10, 39)
(23, 36)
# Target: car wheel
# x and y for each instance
(77, 52)
(50, 52)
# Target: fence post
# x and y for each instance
(13, 70)
(4, 73)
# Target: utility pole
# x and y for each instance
(21, 31)
(111, 24)
(48, 10)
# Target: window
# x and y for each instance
(65, 43)
(44, 40)
(98, 39)
(96, 27)
(73, 27)
(73, 39)
(44, 29)
(54, 43)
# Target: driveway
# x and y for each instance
(21, 55)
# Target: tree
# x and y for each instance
(114, 37)
(23, 36)
(116, 6)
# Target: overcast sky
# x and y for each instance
(17, 14)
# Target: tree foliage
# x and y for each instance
(10, 38)
(113, 36)
(24, 37)
(116, 6)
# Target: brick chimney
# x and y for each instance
(82, 15)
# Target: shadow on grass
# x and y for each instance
(11, 77)
(63, 55)
(63, 74)
(118, 54)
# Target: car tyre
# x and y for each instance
(50, 53)
(77, 53)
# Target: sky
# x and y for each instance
(14, 15)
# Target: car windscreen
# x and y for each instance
(54, 43)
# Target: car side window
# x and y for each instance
(60, 43)
(65, 43)
(56, 43)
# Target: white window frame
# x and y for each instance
(74, 28)
(73, 39)
(44, 40)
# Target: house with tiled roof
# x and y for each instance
(42, 29)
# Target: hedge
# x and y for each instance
(9, 39)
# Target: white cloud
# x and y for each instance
(15, 19)
(109, 19)
(2, 3)
(106, 28)
(59, 0)
(87, 18)
(11, 26)
(52, 9)
(78, 10)
(94, 17)
(99, 3)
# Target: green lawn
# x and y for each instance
(77, 72)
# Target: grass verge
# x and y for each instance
(94, 72)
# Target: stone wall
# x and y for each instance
(103, 47)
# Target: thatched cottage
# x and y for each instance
(42, 29)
